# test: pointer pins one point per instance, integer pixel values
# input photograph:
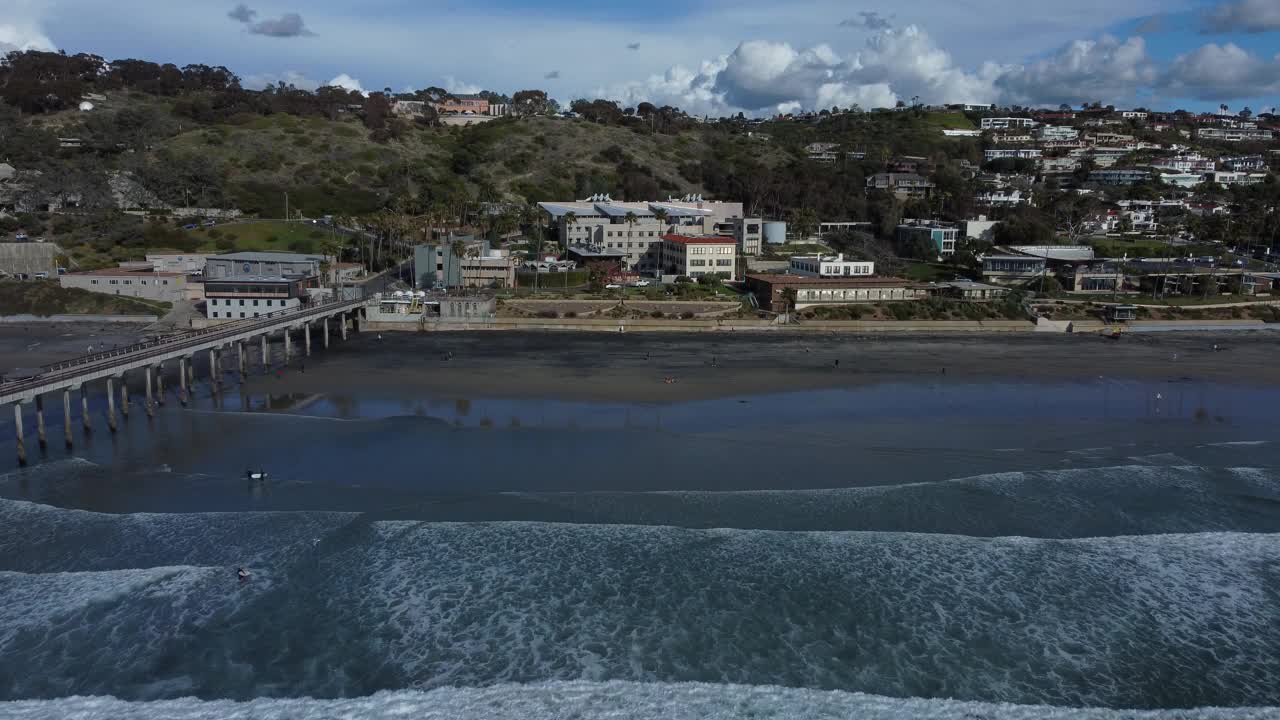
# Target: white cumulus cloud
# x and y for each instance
(21, 29)
(1222, 72)
(1107, 69)
(346, 82)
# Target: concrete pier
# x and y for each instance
(288, 347)
(244, 363)
(22, 441)
(66, 414)
(326, 333)
(191, 375)
(84, 408)
(182, 380)
(124, 397)
(266, 358)
(342, 323)
(306, 339)
(150, 401)
(111, 404)
(160, 383)
(40, 436)
(213, 368)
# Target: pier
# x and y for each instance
(77, 374)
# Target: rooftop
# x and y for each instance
(127, 271)
(699, 239)
(256, 256)
(250, 278)
(853, 282)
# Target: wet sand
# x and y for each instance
(35, 344)
(625, 368)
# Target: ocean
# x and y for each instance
(998, 550)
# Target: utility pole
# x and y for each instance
(286, 207)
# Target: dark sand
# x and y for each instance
(632, 367)
(35, 344)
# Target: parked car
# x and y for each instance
(191, 226)
(20, 237)
(643, 283)
(209, 223)
(613, 286)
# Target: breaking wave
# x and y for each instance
(616, 700)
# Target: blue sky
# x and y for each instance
(707, 55)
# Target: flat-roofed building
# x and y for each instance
(1006, 123)
(830, 266)
(695, 256)
(136, 282)
(773, 291)
(1011, 269)
(262, 264)
(242, 297)
(188, 263)
(942, 235)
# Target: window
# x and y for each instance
(255, 303)
(242, 302)
(724, 262)
(93, 282)
(242, 315)
(128, 282)
(166, 282)
(697, 263)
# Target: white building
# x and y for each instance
(695, 256)
(1023, 153)
(1133, 115)
(1055, 132)
(1225, 177)
(830, 266)
(1191, 163)
(823, 152)
(1183, 180)
(1005, 123)
(1005, 198)
(962, 133)
(1234, 134)
(1059, 165)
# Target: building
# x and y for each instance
(904, 186)
(1133, 115)
(830, 266)
(243, 297)
(1011, 138)
(262, 264)
(1244, 163)
(1012, 269)
(1182, 180)
(775, 292)
(826, 153)
(1055, 132)
(1018, 153)
(942, 235)
(1003, 198)
(1240, 134)
(980, 229)
(1120, 176)
(1054, 165)
(435, 265)
(1224, 177)
(961, 133)
(1185, 164)
(491, 269)
(749, 232)
(143, 283)
(968, 290)
(695, 256)
(463, 105)
(637, 227)
(1006, 123)
(186, 263)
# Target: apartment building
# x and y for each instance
(1055, 132)
(1120, 176)
(1058, 165)
(904, 186)
(1185, 164)
(1239, 134)
(695, 256)
(1227, 177)
(1022, 153)
(1006, 123)
(1244, 163)
(830, 266)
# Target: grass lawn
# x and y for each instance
(927, 272)
(949, 120)
(268, 235)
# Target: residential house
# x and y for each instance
(1005, 123)
(1053, 165)
(1241, 134)
(1009, 269)
(1244, 163)
(826, 153)
(1121, 176)
(1225, 177)
(1055, 132)
(1003, 198)
(904, 186)
(1021, 153)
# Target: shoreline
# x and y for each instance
(600, 367)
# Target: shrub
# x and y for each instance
(571, 314)
(547, 314)
(225, 243)
(686, 315)
(215, 233)
(657, 314)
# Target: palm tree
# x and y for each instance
(661, 215)
(630, 219)
(570, 220)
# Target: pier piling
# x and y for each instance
(22, 442)
(84, 408)
(40, 436)
(66, 414)
(111, 404)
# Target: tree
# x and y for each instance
(804, 221)
(570, 220)
(377, 108)
(527, 103)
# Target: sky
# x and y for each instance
(705, 56)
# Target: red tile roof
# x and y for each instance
(699, 239)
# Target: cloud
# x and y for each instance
(633, 46)
(457, 87)
(21, 29)
(1152, 24)
(1247, 16)
(553, 75)
(1103, 69)
(287, 25)
(1222, 72)
(242, 13)
(346, 82)
(868, 21)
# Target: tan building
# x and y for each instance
(189, 263)
(699, 255)
(142, 283)
(495, 268)
(774, 292)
